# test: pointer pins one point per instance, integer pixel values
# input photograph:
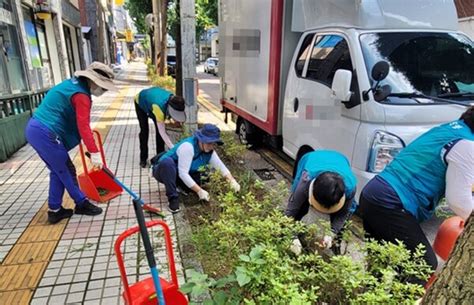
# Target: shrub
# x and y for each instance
(243, 240)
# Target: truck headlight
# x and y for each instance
(384, 148)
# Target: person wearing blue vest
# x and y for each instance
(324, 180)
(438, 163)
(157, 104)
(58, 125)
(182, 164)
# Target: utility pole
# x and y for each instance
(188, 47)
(156, 31)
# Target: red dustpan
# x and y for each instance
(96, 184)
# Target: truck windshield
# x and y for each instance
(432, 64)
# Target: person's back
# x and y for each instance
(56, 111)
(418, 173)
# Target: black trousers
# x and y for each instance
(166, 172)
(144, 133)
(382, 223)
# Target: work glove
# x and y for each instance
(203, 195)
(296, 246)
(326, 243)
(235, 185)
(96, 160)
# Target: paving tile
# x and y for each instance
(58, 299)
(75, 297)
(83, 266)
(93, 294)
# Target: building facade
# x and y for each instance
(38, 50)
(465, 10)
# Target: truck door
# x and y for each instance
(311, 116)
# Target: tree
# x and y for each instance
(138, 9)
(455, 283)
(206, 17)
(164, 4)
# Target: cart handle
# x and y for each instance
(169, 250)
(101, 150)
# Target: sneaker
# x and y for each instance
(173, 211)
(87, 208)
(143, 164)
(173, 206)
(55, 217)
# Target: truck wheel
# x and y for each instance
(246, 133)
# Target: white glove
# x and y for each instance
(235, 185)
(203, 195)
(96, 160)
(326, 242)
(296, 246)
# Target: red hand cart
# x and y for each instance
(143, 292)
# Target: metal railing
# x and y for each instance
(20, 103)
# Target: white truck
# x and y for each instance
(303, 74)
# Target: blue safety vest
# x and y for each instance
(57, 113)
(153, 96)
(200, 158)
(418, 173)
(319, 161)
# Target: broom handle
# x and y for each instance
(149, 251)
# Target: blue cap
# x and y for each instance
(209, 133)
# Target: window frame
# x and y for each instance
(306, 65)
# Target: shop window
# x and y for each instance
(11, 62)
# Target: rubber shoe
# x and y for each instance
(173, 206)
(87, 208)
(55, 217)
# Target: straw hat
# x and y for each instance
(100, 74)
(319, 207)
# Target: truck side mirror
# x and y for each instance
(380, 70)
(341, 85)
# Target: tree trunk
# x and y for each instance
(179, 64)
(164, 40)
(455, 283)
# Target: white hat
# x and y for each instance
(319, 207)
(100, 74)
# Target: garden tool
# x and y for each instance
(145, 206)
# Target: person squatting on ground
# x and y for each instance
(181, 165)
(58, 125)
(324, 180)
(439, 162)
(158, 104)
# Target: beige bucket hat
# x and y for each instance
(99, 73)
(319, 207)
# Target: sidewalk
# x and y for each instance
(73, 262)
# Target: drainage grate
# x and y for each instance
(264, 174)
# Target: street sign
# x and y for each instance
(128, 36)
(119, 2)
